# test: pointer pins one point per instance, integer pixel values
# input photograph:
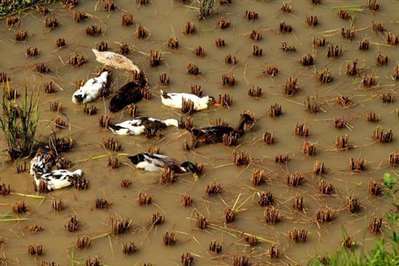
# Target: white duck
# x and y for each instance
(91, 90)
(115, 60)
(175, 100)
(154, 162)
(57, 179)
(140, 125)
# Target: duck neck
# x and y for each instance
(189, 167)
(204, 101)
(240, 128)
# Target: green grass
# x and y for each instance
(385, 251)
(8, 7)
(206, 7)
(382, 254)
(18, 121)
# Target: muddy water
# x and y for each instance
(164, 19)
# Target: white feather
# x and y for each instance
(171, 122)
(129, 127)
(136, 127)
(153, 162)
(58, 179)
(147, 166)
(175, 100)
(156, 162)
(91, 90)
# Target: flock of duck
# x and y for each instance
(41, 166)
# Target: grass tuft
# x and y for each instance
(380, 255)
(9, 7)
(385, 251)
(18, 123)
(206, 7)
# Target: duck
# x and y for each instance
(41, 170)
(42, 162)
(92, 89)
(115, 60)
(129, 93)
(57, 179)
(140, 125)
(214, 134)
(154, 162)
(175, 100)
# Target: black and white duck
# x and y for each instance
(41, 169)
(42, 163)
(139, 125)
(154, 162)
(57, 179)
(92, 89)
(214, 134)
(129, 93)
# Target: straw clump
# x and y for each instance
(120, 225)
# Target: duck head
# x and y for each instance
(164, 94)
(247, 121)
(190, 167)
(211, 100)
(136, 159)
(79, 96)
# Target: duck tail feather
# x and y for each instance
(77, 173)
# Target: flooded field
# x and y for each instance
(331, 99)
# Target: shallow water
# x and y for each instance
(164, 19)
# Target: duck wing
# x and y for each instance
(129, 127)
(160, 159)
(213, 130)
(133, 123)
(154, 124)
(129, 93)
(187, 96)
(115, 60)
(57, 179)
(155, 161)
(212, 134)
(94, 85)
(175, 99)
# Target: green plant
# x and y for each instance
(206, 7)
(381, 255)
(391, 188)
(8, 7)
(19, 123)
(389, 180)
(384, 253)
